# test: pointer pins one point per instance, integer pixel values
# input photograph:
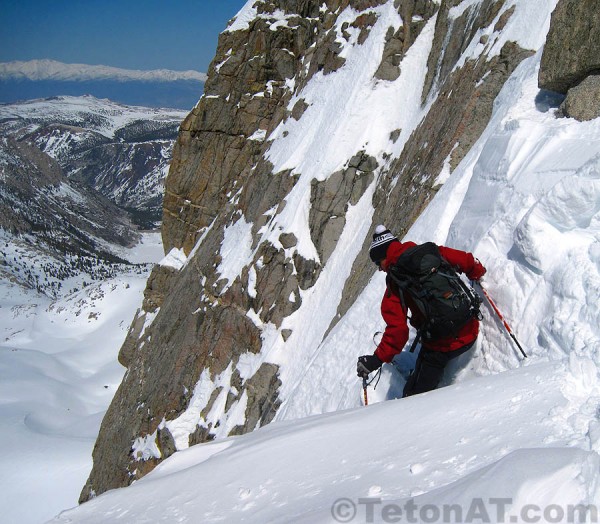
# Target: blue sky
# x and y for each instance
(132, 34)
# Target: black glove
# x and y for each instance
(367, 364)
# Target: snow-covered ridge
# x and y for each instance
(53, 70)
(359, 462)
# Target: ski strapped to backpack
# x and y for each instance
(445, 303)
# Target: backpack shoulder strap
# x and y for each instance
(393, 288)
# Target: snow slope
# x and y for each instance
(516, 440)
(524, 201)
(58, 373)
(496, 439)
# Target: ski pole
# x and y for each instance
(365, 391)
(495, 308)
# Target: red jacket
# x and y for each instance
(395, 316)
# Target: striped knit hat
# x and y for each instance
(382, 238)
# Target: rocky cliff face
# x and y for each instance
(571, 59)
(265, 181)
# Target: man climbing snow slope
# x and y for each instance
(445, 330)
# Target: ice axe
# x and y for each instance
(507, 327)
(363, 372)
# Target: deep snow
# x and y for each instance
(490, 438)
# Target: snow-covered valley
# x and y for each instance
(58, 372)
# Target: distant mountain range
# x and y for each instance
(53, 70)
(44, 78)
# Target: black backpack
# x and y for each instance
(445, 302)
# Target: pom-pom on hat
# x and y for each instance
(382, 238)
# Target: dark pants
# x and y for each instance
(429, 369)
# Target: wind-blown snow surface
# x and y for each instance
(390, 452)
(58, 373)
